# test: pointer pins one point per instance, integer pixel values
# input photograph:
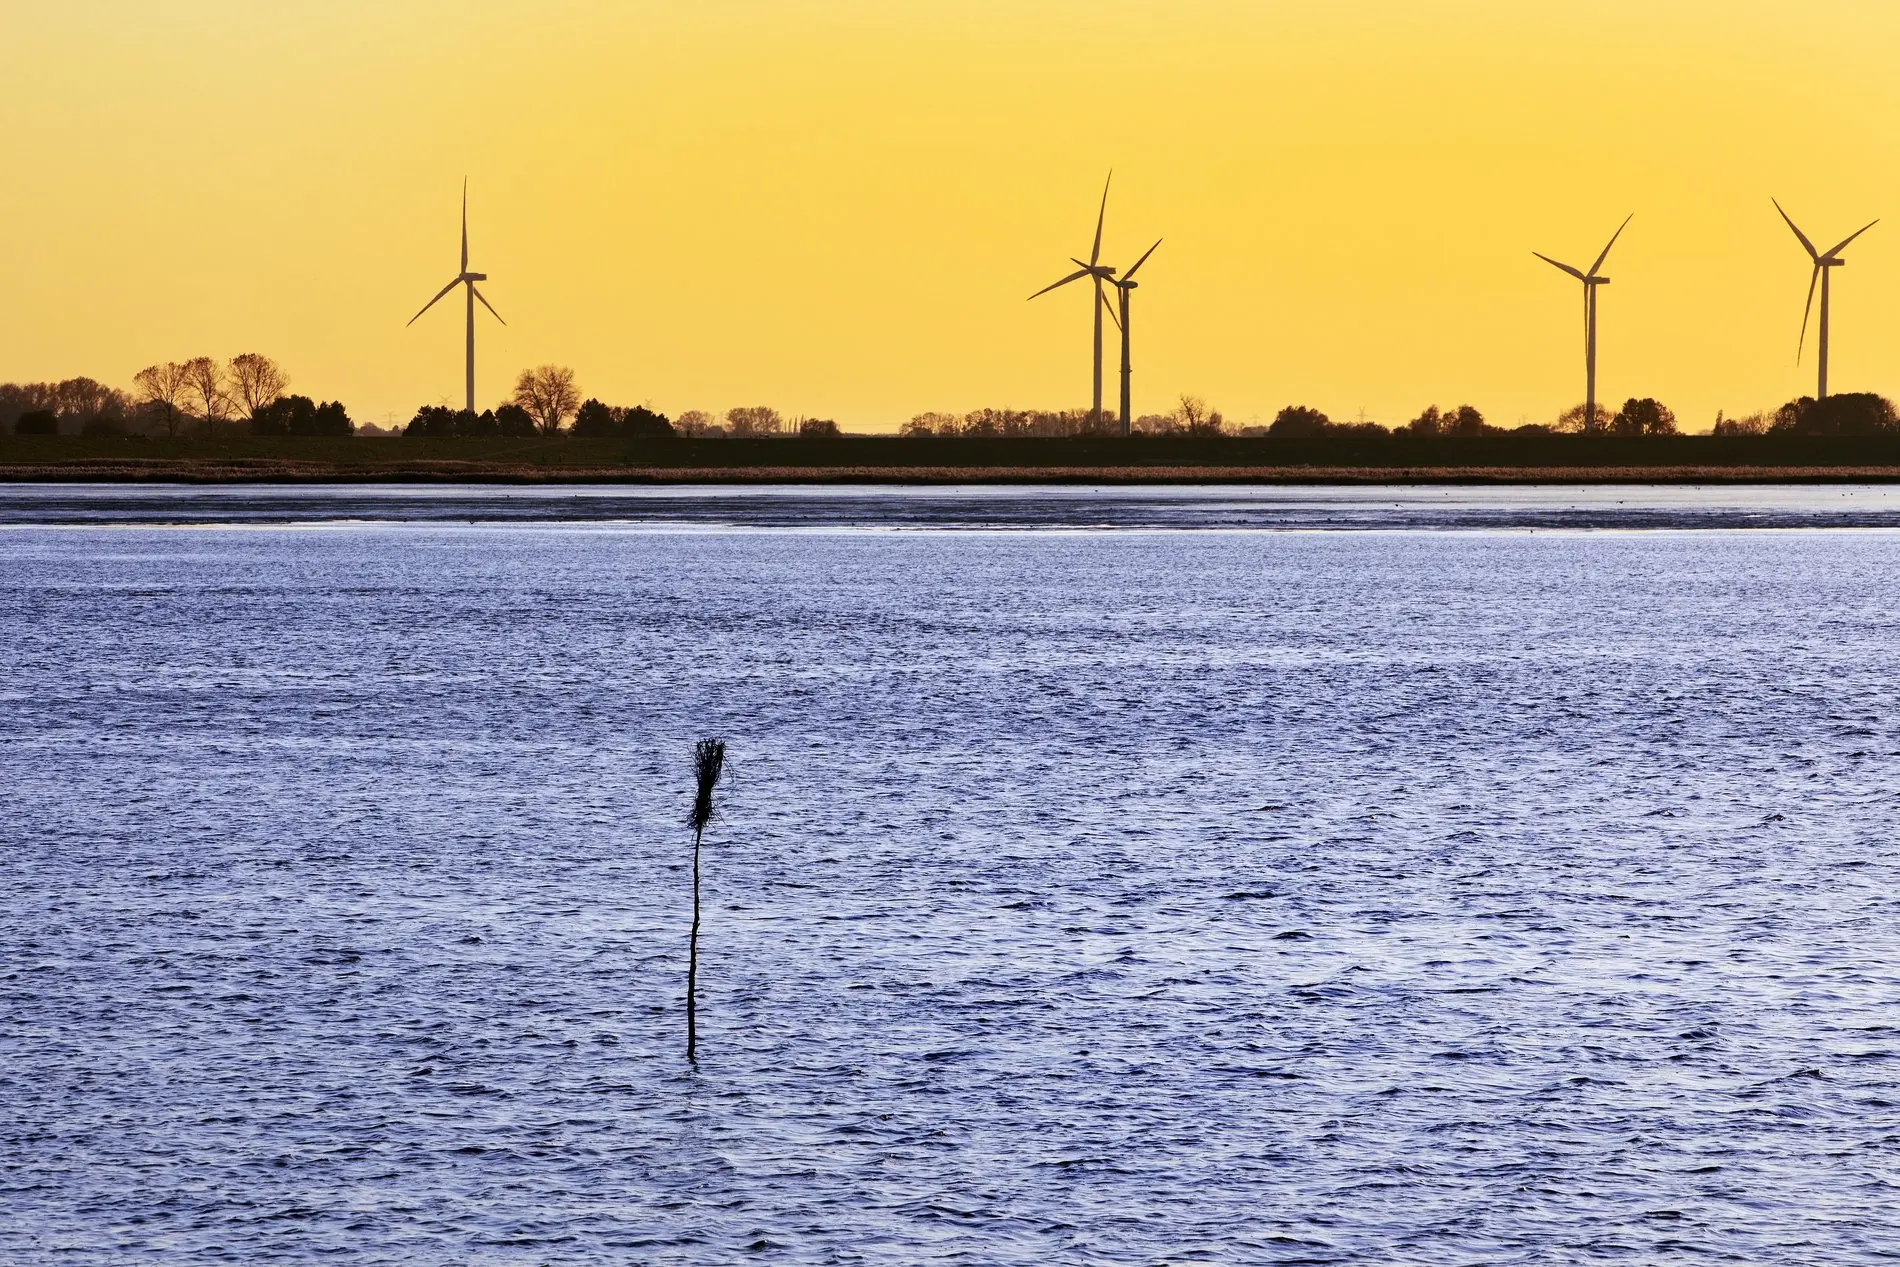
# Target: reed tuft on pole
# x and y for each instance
(709, 762)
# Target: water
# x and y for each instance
(1079, 895)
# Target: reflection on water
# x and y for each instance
(1097, 897)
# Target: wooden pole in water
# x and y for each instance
(709, 762)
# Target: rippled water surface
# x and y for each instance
(1127, 894)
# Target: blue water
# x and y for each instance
(1509, 877)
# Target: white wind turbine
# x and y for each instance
(1824, 262)
(1125, 284)
(1591, 281)
(465, 278)
(1101, 273)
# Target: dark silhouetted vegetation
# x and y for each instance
(37, 422)
(548, 394)
(77, 405)
(1462, 420)
(301, 416)
(1841, 414)
(1643, 417)
(256, 383)
(202, 396)
(1192, 415)
(161, 389)
(818, 429)
(1755, 424)
(753, 420)
(1572, 422)
(439, 422)
(1297, 422)
(597, 421)
(594, 420)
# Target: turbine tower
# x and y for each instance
(1823, 261)
(1124, 285)
(465, 278)
(1591, 280)
(1100, 273)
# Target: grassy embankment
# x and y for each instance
(889, 459)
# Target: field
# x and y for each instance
(890, 459)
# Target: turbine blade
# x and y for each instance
(1143, 260)
(465, 224)
(1112, 314)
(1075, 276)
(1613, 237)
(1555, 264)
(1850, 237)
(484, 298)
(1095, 253)
(1809, 307)
(1812, 253)
(438, 299)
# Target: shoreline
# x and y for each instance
(209, 470)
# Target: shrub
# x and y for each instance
(1645, 417)
(754, 420)
(1848, 414)
(514, 422)
(431, 420)
(302, 416)
(1754, 424)
(1297, 422)
(1572, 420)
(817, 429)
(641, 423)
(37, 422)
(594, 420)
(931, 424)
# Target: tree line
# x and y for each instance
(250, 393)
(1845, 414)
(546, 397)
(198, 396)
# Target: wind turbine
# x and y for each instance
(1823, 261)
(465, 278)
(1100, 273)
(1591, 280)
(1124, 284)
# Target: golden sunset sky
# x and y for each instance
(838, 207)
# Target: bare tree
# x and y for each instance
(549, 395)
(256, 382)
(754, 420)
(163, 386)
(694, 422)
(1572, 420)
(1197, 419)
(1755, 424)
(205, 379)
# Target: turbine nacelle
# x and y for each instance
(472, 277)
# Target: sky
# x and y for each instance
(839, 207)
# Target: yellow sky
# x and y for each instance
(837, 207)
